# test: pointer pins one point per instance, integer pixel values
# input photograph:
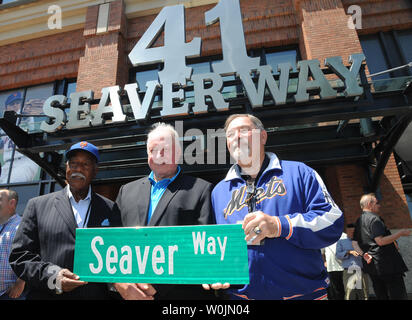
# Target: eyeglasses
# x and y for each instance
(243, 132)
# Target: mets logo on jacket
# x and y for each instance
(275, 187)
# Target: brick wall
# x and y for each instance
(382, 15)
(394, 208)
(346, 184)
(104, 62)
(41, 60)
(266, 23)
(324, 30)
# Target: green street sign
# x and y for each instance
(181, 254)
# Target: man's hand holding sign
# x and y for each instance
(133, 291)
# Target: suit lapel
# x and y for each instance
(94, 220)
(143, 206)
(63, 207)
(167, 196)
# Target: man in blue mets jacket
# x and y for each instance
(286, 212)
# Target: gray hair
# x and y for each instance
(366, 200)
(161, 126)
(258, 124)
(11, 194)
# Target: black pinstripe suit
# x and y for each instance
(45, 242)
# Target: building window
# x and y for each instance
(275, 58)
(145, 76)
(33, 106)
(375, 57)
(201, 67)
(9, 101)
(28, 102)
(387, 50)
(25, 192)
(405, 41)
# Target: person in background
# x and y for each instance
(336, 290)
(386, 267)
(11, 287)
(355, 281)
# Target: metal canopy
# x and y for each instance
(293, 133)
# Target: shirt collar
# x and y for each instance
(274, 163)
(372, 213)
(14, 216)
(88, 197)
(167, 180)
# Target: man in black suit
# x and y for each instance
(43, 249)
(166, 197)
(382, 259)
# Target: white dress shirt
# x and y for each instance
(80, 208)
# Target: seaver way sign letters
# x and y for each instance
(175, 75)
(178, 254)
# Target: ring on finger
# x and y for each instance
(257, 230)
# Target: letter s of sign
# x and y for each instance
(51, 108)
(96, 252)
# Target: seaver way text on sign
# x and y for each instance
(183, 255)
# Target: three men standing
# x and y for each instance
(285, 209)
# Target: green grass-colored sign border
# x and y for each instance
(175, 255)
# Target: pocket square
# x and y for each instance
(105, 223)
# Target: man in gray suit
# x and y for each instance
(43, 249)
(166, 197)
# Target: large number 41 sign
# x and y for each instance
(173, 54)
(175, 72)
